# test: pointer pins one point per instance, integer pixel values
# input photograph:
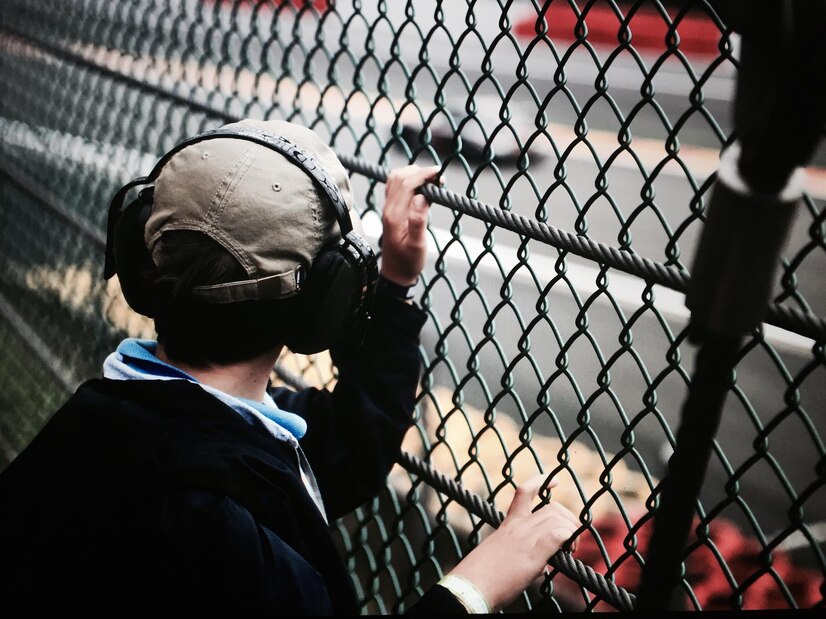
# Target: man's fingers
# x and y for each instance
(417, 218)
(555, 514)
(528, 490)
(411, 175)
(559, 523)
(402, 204)
(419, 176)
(525, 494)
(563, 534)
(409, 178)
(552, 484)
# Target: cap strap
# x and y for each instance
(276, 286)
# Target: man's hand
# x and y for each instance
(404, 241)
(511, 558)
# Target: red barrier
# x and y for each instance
(318, 5)
(649, 31)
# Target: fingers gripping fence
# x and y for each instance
(800, 322)
(577, 142)
(562, 560)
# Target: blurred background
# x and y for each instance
(600, 118)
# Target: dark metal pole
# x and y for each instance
(680, 489)
(779, 115)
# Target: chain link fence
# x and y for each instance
(577, 141)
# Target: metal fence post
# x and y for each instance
(687, 468)
(736, 262)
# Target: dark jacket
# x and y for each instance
(153, 497)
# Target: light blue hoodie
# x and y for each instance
(135, 359)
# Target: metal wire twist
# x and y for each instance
(563, 560)
(802, 323)
(805, 324)
(541, 111)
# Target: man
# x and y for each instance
(181, 482)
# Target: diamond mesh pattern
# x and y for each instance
(601, 118)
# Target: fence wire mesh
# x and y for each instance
(601, 120)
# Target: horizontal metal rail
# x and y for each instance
(791, 319)
(563, 561)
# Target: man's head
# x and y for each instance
(242, 244)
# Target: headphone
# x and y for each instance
(333, 299)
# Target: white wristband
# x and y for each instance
(466, 592)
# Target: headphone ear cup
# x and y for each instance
(132, 258)
(328, 304)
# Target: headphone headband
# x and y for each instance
(333, 302)
(290, 151)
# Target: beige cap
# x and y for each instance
(265, 210)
